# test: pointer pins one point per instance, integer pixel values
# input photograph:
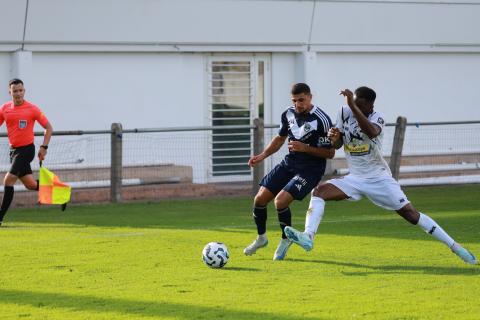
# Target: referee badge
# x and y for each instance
(22, 124)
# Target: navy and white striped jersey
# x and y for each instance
(310, 128)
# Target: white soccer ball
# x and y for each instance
(215, 254)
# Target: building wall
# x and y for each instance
(101, 49)
(89, 91)
(183, 24)
(419, 86)
(12, 19)
(166, 21)
(144, 62)
(4, 76)
(395, 25)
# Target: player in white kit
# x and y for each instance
(359, 129)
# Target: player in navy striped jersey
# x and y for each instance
(306, 126)
(359, 129)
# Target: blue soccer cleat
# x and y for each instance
(282, 249)
(464, 254)
(300, 238)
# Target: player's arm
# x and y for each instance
(272, 147)
(47, 134)
(298, 146)
(370, 129)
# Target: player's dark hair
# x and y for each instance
(15, 81)
(299, 88)
(366, 93)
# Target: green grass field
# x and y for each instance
(143, 261)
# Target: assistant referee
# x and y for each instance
(20, 116)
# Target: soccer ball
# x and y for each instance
(215, 254)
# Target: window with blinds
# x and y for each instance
(231, 98)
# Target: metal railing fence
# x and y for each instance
(445, 152)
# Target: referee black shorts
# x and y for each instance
(20, 159)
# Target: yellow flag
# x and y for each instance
(51, 190)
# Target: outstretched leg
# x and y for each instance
(430, 226)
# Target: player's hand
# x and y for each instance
(348, 96)
(334, 135)
(297, 146)
(254, 160)
(41, 154)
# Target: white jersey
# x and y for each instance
(363, 155)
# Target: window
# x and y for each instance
(238, 92)
(231, 98)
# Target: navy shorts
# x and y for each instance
(297, 182)
(20, 159)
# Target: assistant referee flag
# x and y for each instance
(51, 190)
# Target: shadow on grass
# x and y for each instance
(227, 268)
(135, 308)
(398, 269)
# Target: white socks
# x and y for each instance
(431, 227)
(317, 206)
(314, 215)
(262, 237)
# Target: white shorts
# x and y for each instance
(384, 191)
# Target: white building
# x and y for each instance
(167, 63)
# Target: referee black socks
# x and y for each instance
(7, 200)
